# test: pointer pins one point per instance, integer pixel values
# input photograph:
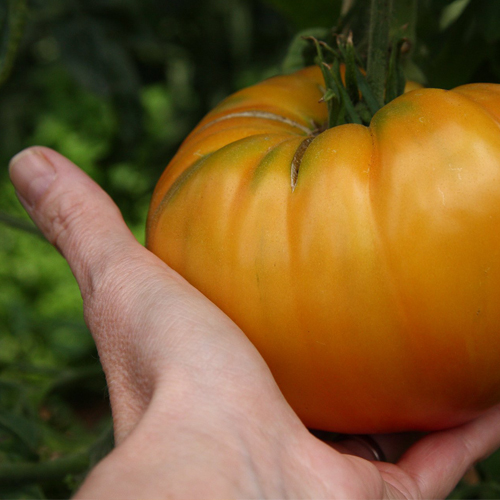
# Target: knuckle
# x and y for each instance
(64, 219)
(108, 292)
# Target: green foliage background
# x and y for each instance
(115, 85)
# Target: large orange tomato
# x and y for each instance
(362, 262)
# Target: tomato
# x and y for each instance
(362, 262)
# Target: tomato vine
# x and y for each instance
(357, 86)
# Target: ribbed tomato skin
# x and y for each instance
(362, 262)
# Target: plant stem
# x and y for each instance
(378, 46)
(18, 223)
(346, 5)
(22, 473)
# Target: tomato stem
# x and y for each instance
(378, 47)
(356, 87)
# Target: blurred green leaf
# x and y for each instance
(301, 52)
(452, 12)
(24, 430)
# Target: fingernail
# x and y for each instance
(32, 174)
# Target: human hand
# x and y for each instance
(196, 411)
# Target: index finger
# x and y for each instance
(438, 461)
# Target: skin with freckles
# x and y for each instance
(197, 413)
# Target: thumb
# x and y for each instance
(82, 221)
(70, 209)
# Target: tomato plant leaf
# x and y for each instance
(301, 51)
(452, 12)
